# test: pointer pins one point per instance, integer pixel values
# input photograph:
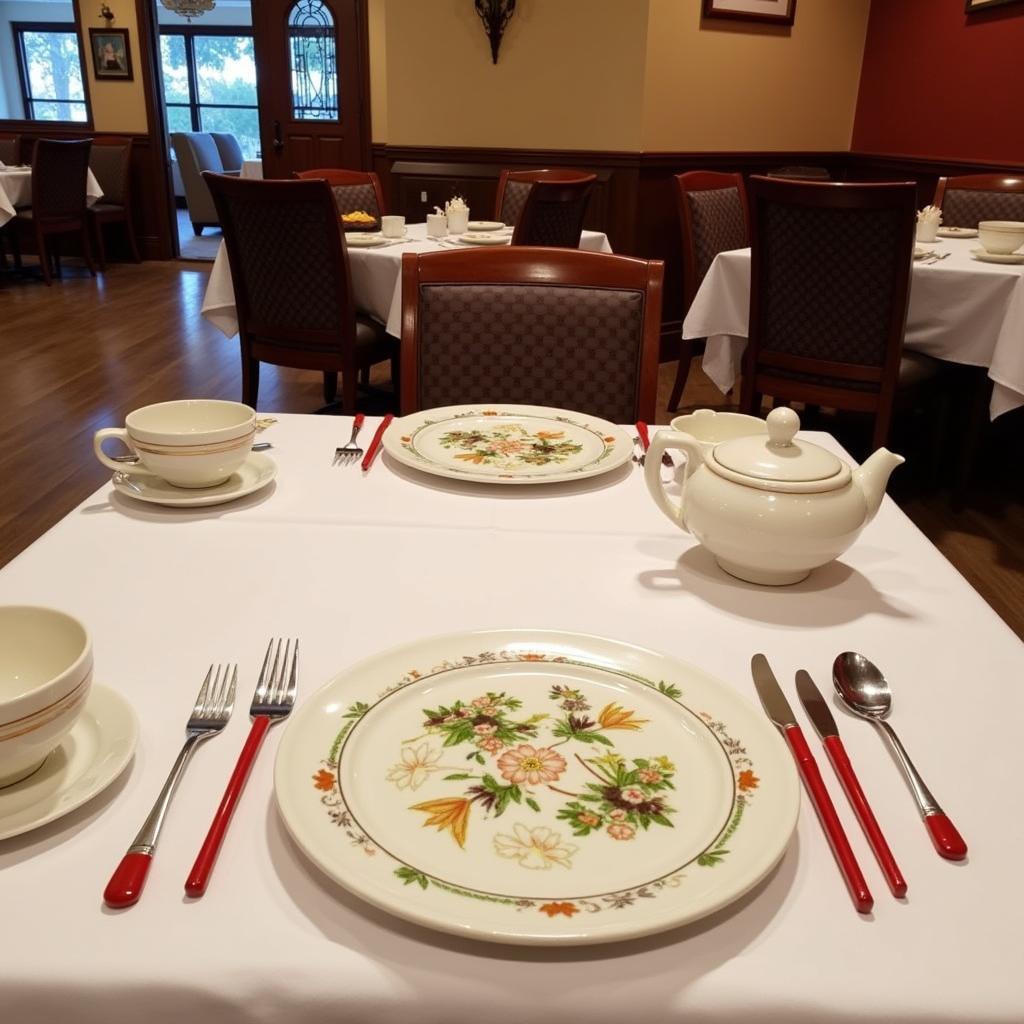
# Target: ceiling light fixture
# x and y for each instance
(189, 9)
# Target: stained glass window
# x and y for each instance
(314, 62)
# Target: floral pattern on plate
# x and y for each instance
(511, 446)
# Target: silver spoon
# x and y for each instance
(131, 460)
(863, 689)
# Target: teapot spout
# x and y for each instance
(872, 478)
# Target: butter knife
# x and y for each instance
(778, 710)
(821, 716)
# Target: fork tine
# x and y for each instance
(215, 695)
(201, 698)
(261, 685)
(293, 678)
(230, 700)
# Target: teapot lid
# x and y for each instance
(780, 459)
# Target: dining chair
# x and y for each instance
(353, 190)
(110, 161)
(59, 171)
(553, 213)
(969, 198)
(10, 148)
(830, 277)
(514, 187)
(537, 326)
(293, 290)
(713, 218)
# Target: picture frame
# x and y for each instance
(111, 54)
(974, 6)
(772, 12)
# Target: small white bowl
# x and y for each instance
(45, 676)
(709, 427)
(1001, 236)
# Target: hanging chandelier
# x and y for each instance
(189, 9)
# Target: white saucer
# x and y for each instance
(484, 238)
(957, 232)
(358, 241)
(257, 471)
(485, 225)
(997, 257)
(93, 754)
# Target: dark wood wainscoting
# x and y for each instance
(152, 226)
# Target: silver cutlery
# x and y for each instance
(212, 710)
(131, 460)
(351, 452)
(936, 257)
(642, 457)
(273, 701)
(864, 690)
(126, 481)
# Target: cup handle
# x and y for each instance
(690, 447)
(97, 446)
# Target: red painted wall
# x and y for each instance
(936, 82)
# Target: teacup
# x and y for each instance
(190, 443)
(392, 226)
(45, 676)
(708, 427)
(1001, 236)
(437, 225)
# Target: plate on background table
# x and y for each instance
(957, 232)
(91, 756)
(536, 787)
(355, 240)
(507, 444)
(486, 225)
(485, 238)
(997, 257)
(255, 473)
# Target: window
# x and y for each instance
(209, 82)
(50, 72)
(314, 62)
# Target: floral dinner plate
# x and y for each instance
(536, 787)
(507, 444)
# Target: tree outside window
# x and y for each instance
(50, 69)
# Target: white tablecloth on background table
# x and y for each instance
(252, 169)
(376, 279)
(16, 191)
(960, 309)
(354, 565)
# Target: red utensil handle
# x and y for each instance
(199, 876)
(830, 822)
(126, 883)
(358, 421)
(371, 452)
(948, 842)
(645, 437)
(851, 784)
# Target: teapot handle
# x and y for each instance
(685, 443)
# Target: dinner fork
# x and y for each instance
(350, 452)
(213, 707)
(273, 700)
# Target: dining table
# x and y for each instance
(354, 563)
(961, 309)
(16, 190)
(376, 276)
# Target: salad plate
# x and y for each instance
(507, 444)
(536, 787)
(485, 238)
(486, 225)
(357, 241)
(953, 232)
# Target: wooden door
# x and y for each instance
(312, 60)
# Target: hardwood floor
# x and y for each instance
(82, 354)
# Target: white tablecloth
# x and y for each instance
(960, 310)
(16, 190)
(252, 169)
(355, 565)
(376, 279)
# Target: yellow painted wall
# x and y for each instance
(378, 70)
(570, 75)
(116, 106)
(722, 85)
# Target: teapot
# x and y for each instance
(769, 508)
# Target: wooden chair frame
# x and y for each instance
(339, 176)
(99, 218)
(540, 266)
(559, 174)
(977, 183)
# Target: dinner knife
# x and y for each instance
(778, 710)
(821, 716)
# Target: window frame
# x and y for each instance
(64, 28)
(194, 106)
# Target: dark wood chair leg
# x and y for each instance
(44, 257)
(132, 240)
(87, 249)
(101, 249)
(330, 386)
(250, 379)
(349, 391)
(364, 376)
(197, 229)
(685, 361)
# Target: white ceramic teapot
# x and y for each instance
(770, 508)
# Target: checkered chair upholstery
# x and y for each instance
(513, 200)
(353, 190)
(553, 214)
(963, 208)
(718, 224)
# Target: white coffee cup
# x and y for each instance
(458, 220)
(927, 229)
(190, 443)
(392, 226)
(437, 225)
(45, 678)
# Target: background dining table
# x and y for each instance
(16, 190)
(961, 310)
(376, 277)
(354, 564)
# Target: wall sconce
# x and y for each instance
(495, 14)
(107, 14)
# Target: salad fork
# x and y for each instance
(213, 707)
(273, 700)
(350, 452)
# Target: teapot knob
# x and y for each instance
(782, 427)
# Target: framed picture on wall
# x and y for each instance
(111, 55)
(984, 5)
(776, 12)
